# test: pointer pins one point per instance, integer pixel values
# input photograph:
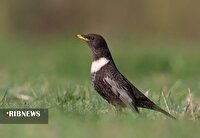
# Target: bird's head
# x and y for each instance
(97, 44)
(93, 40)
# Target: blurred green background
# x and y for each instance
(166, 17)
(155, 44)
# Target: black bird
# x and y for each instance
(110, 83)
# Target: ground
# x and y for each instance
(54, 74)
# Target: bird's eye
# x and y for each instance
(91, 38)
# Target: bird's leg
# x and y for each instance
(119, 110)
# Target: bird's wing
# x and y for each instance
(128, 93)
(121, 87)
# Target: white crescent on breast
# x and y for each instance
(98, 64)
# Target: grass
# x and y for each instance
(54, 74)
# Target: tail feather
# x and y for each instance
(157, 108)
(150, 105)
(144, 102)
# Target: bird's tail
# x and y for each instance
(144, 102)
(150, 105)
(157, 108)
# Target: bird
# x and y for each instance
(110, 83)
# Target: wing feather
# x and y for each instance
(121, 87)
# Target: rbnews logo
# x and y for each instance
(23, 113)
(23, 116)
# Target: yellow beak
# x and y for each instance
(82, 37)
